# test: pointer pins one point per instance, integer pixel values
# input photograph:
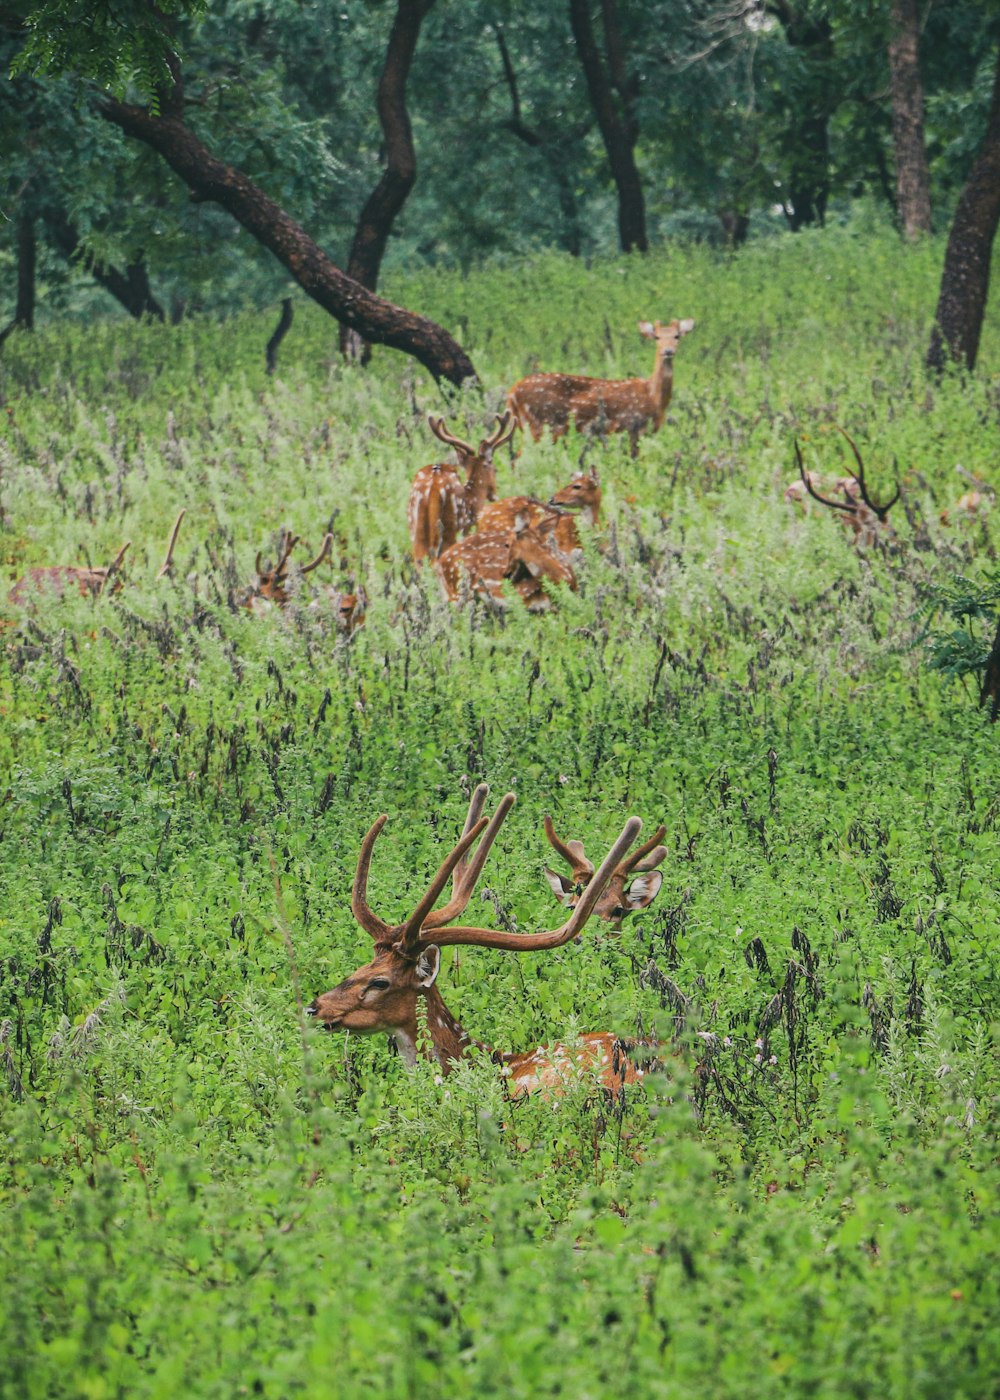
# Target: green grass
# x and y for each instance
(199, 1196)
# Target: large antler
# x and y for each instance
(644, 857)
(439, 430)
(114, 566)
(324, 553)
(503, 433)
(881, 511)
(850, 507)
(551, 938)
(466, 873)
(572, 854)
(167, 567)
(286, 545)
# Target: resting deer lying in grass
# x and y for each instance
(555, 519)
(615, 901)
(443, 508)
(972, 503)
(58, 577)
(602, 405)
(271, 587)
(522, 557)
(396, 993)
(868, 521)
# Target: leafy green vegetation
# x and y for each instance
(200, 1194)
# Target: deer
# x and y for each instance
(555, 518)
(522, 556)
(972, 503)
(442, 507)
(396, 993)
(868, 520)
(615, 901)
(57, 578)
(602, 405)
(272, 580)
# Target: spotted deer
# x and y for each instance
(556, 518)
(56, 578)
(602, 406)
(637, 871)
(868, 521)
(523, 556)
(442, 507)
(272, 580)
(396, 994)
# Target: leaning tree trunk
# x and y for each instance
(130, 287)
(965, 280)
(208, 178)
(619, 129)
(913, 186)
(390, 194)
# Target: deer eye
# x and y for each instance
(378, 984)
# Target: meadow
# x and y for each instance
(200, 1194)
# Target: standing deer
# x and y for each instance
(553, 519)
(868, 521)
(442, 507)
(57, 578)
(523, 556)
(615, 901)
(396, 993)
(272, 580)
(602, 405)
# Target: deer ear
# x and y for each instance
(428, 966)
(647, 329)
(562, 888)
(643, 889)
(685, 326)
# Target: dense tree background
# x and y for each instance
(583, 125)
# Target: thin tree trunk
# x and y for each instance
(390, 194)
(965, 280)
(619, 130)
(913, 186)
(280, 331)
(807, 139)
(131, 288)
(24, 308)
(208, 178)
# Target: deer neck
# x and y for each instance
(477, 491)
(661, 383)
(448, 1041)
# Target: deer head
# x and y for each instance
(667, 337)
(583, 494)
(868, 520)
(477, 463)
(616, 901)
(271, 580)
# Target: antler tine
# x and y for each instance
(880, 511)
(503, 432)
(635, 860)
(366, 917)
(114, 566)
(168, 563)
(439, 430)
(287, 545)
(409, 932)
(835, 505)
(257, 565)
(323, 554)
(576, 860)
(552, 938)
(466, 873)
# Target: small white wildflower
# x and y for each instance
(758, 1058)
(773, 1060)
(727, 1041)
(758, 1044)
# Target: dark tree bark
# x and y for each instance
(807, 140)
(553, 144)
(617, 121)
(280, 331)
(965, 280)
(391, 193)
(24, 309)
(208, 178)
(131, 287)
(989, 691)
(913, 186)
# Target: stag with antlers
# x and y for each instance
(602, 406)
(442, 508)
(271, 587)
(868, 521)
(639, 867)
(396, 992)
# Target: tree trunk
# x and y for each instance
(807, 139)
(618, 129)
(280, 331)
(989, 691)
(965, 280)
(913, 187)
(207, 178)
(390, 194)
(24, 308)
(131, 288)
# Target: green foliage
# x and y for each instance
(199, 1194)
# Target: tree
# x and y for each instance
(913, 190)
(613, 92)
(965, 279)
(810, 100)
